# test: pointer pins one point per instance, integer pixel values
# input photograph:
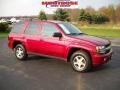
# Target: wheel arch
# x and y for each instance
(16, 42)
(74, 49)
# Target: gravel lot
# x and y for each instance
(41, 73)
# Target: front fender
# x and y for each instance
(90, 48)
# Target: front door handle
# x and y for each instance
(22, 37)
(41, 39)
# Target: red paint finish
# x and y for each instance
(59, 47)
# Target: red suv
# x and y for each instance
(61, 40)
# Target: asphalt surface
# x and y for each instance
(41, 73)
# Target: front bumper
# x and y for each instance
(101, 59)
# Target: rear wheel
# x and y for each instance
(80, 61)
(20, 52)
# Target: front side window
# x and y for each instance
(17, 28)
(32, 29)
(48, 29)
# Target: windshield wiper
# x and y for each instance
(75, 33)
(80, 33)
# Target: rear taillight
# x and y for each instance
(8, 38)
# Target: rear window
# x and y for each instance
(17, 28)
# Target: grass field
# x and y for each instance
(105, 30)
(102, 32)
(3, 34)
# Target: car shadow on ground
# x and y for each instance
(42, 58)
(36, 57)
(100, 68)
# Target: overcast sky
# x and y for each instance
(32, 7)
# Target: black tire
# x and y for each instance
(80, 61)
(22, 52)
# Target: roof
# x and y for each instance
(52, 21)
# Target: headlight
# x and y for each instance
(100, 49)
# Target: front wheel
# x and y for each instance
(80, 61)
(20, 52)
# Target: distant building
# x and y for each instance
(14, 18)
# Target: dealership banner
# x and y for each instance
(60, 3)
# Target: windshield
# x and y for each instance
(70, 29)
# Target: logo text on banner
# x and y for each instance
(60, 3)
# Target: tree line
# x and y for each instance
(88, 15)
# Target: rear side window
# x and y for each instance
(17, 28)
(32, 29)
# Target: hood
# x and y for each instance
(92, 39)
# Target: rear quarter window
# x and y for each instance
(32, 29)
(17, 28)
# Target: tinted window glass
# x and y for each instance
(48, 29)
(17, 28)
(32, 29)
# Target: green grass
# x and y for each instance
(3, 34)
(102, 32)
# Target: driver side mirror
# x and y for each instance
(57, 34)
